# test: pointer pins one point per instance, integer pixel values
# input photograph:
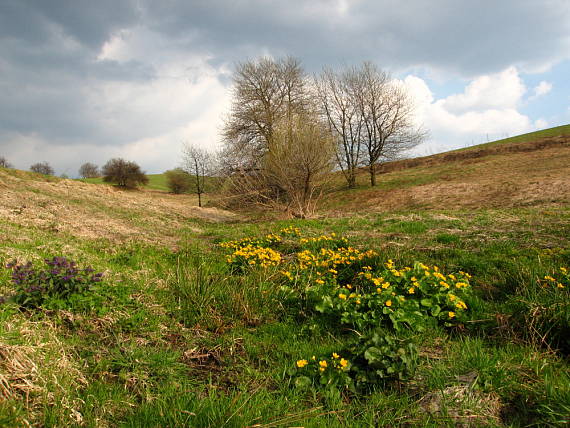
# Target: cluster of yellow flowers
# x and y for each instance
(329, 259)
(264, 257)
(322, 238)
(558, 283)
(241, 243)
(336, 362)
(290, 231)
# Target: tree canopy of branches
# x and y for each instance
(199, 163)
(299, 161)
(264, 91)
(335, 94)
(178, 181)
(42, 168)
(4, 163)
(123, 173)
(387, 112)
(89, 170)
(370, 114)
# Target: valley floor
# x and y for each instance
(176, 337)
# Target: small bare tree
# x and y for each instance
(89, 170)
(335, 95)
(387, 112)
(199, 163)
(4, 163)
(42, 168)
(299, 161)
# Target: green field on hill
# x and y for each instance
(155, 182)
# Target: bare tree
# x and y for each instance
(386, 111)
(42, 168)
(265, 90)
(299, 160)
(4, 163)
(199, 163)
(335, 95)
(123, 173)
(89, 170)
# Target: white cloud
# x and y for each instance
(541, 89)
(502, 90)
(487, 109)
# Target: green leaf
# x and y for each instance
(373, 354)
(303, 382)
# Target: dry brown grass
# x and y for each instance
(98, 211)
(501, 178)
(39, 370)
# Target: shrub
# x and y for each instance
(123, 173)
(42, 168)
(4, 163)
(178, 181)
(89, 170)
(59, 280)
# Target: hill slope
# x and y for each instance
(96, 211)
(496, 175)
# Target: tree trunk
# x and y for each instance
(200, 199)
(351, 179)
(372, 169)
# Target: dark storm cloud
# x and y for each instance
(53, 77)
(467, 37)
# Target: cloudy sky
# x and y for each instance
(84, 80)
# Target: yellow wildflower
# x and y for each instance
(342, 296)
(451, 314)
(323, 363)
(389, 303)
(335, 355)
(411, 290)
(343, 362)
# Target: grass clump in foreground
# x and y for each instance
(224, 335)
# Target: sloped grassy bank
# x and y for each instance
(426, 319)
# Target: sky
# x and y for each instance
(87, 81)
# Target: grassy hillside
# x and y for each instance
(529, 172)
(155, 182)
(183, 331)
(557, 131)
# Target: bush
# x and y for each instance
(89, 170)
(59, 280)
(178, 181)
(123, 173)
(4, 163)
(42, 168)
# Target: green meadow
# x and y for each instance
(217, 326)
